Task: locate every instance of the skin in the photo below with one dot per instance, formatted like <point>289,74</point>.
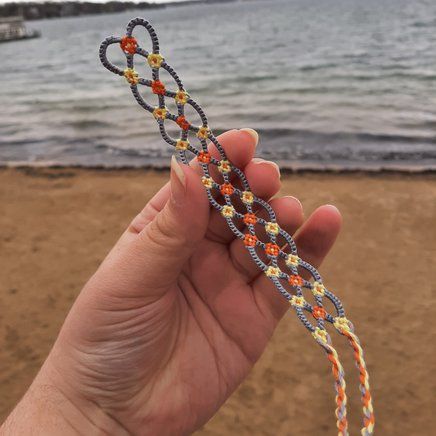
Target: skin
<point>174,318</point>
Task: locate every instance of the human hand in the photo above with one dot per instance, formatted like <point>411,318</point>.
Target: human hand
<point>174,318</point>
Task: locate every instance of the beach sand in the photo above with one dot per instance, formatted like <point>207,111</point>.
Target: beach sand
<point>58,224</point>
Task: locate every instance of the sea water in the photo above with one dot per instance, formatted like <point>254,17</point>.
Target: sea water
<point>328,84</point>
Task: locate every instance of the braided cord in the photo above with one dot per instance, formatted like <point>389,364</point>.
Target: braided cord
<point>323,339</point>
<point>231,186</point>
<point>346,329</point>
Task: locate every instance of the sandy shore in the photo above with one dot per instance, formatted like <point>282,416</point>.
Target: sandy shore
<point>57,225</point>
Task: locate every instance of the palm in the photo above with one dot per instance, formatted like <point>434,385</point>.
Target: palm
<point>199,341</point>
<point>214,332</point>
<point>153,347</point>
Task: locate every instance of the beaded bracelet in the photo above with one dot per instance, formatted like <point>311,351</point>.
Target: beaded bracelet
<point>287,279</point>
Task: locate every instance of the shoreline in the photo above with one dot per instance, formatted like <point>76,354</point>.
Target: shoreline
<point>285,170</point>
<point>36,11</point>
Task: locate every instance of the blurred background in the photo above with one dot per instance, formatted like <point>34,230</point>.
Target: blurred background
<point>343,95</point>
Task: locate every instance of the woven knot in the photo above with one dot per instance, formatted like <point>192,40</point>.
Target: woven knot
<point>321,335</point>
<point>158,87</point>
<point>224,166</point>
<point>250,218</point>
<point>227,189</point>
<point>250,240</point>
<point>203,132</point>
<point>319,312</point>
<point>342,324</point>
<point>128,44</point>
<point>272,228</point>
<point>295,280</point>
<point>272,271</point>
<point>207,182</point>
<point>247,197</point>
<point>155,60</point>
<point>204,157</point>
<point>160,113</point>
<point>292,260</point>
<point>318,289</point>
<point>297,301</point>
<point>181,97</point>
<point>228,211</point>
<point>131,76</point>
<point>272,250</point>
<point>182,144</point>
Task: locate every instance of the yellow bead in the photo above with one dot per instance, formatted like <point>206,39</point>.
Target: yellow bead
<point>224,166</point>
<point>160,113</point>
<point>155,60</point>
<point>181,97</point>
<point>318,289</point>
<point>182,144</point>
<point>321,335</point>
<point>247,197</point>
<point>272,271</point>
<point>131,76</point>
<point>228,211</point>
<point>292,260</point>
<point>297,301</point>
<point>203,132</point>
<point>272,228</point>
<point>207,182</point>
<point>342,323</point>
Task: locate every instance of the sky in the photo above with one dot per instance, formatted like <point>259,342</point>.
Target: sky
<point>97,1</point>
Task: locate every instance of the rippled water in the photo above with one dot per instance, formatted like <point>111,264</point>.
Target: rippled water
<point>343,83</point>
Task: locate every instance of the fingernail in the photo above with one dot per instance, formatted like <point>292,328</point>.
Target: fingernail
<point>252,133</point>
<point>258,160</point>
<point>299,205</point>
<point>333,207</point>
<point>294,199</point>
<point>178,181</point>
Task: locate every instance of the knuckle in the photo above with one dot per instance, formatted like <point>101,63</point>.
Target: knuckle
<point>163,232</point>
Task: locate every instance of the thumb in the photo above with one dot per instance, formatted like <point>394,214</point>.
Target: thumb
<point>168,241</point>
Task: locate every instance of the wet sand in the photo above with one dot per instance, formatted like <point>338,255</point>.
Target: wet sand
<point>57,225</point>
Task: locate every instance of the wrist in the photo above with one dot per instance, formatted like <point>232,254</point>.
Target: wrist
<point>48,409</point>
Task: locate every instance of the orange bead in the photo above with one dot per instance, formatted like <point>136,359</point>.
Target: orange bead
<point>227,189</point>
<point>128,44</point>
<point>319,312</point>
<point>204,157</point>
<point>250,240</point>
<point>182,122</point>
<point>250,218</point>
<point>272,249</point>
<point>295,280</point>
<point>158,87</point>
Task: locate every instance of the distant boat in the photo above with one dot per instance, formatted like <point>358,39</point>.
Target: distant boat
<point>13,28</point>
